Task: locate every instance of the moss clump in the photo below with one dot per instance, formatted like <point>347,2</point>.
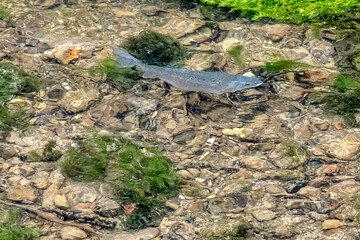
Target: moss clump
<point>346,101</point>
<point>14,82</point>
<point>214,13</point>
<point>295,153</point>
<point>4,14</point>
<point>156,49</point>
<point>236,54</point>
<point>121,78</point>
<point>48,153</point>
<point>356,62</point>
<point>343,83</point>
<point>345,104</point>
<point>295,11</point>
<point>227,229</point>
<point>139,175</point>
<point>12,229</point>
<point>285,65</point>
<point>14,117</point>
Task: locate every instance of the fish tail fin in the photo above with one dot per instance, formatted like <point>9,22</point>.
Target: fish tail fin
<point>124,59</point>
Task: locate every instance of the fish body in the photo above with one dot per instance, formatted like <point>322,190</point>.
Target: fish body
<point>188,80</point>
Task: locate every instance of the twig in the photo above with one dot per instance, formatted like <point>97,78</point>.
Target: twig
<point>49,216</point>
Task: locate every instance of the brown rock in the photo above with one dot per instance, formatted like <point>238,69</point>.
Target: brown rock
<point>61,201</point>
<point>276,32</point>
<point>47,3</point>
<point>78,100</point>
<point>331,169</point>
<point>317,76</point>
<point>41,179</point>
<point>255,162</point>
<point>49,196</point>
<point>151,10</point>
<point>331,224</point>
<point>147,233</point>
<point>322,126</point>
<point>196,207</point>
<point>72,233</point>
<point>263,215</point>
<point>122,13</point>
<point>179,26</point>
<point>344,189</point>
<point>346,148</point>
<point>20,193</point>
<point>310,192</point>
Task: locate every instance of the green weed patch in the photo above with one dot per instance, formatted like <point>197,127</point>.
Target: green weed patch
<point>285,65</point>
<point>139,175</point>
<point>12,229</point>
<point>121,78</point>
<point>295,11</point>
<point>156,49</point>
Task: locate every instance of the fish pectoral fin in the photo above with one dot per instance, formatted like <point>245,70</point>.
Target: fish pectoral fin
<point>149,75</point>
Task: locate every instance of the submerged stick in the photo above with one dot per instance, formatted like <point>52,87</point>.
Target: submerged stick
<point>49,216</point>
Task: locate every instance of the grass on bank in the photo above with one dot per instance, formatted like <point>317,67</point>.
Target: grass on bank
<point>295,11</point>
<point>12,229</point>
<point>139,175</point>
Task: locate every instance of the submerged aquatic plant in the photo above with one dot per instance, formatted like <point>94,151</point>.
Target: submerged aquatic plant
<point>236,54</point>
<point>4,13</point>
<point>139,175</point>
<point>156,49</point>
<point>12,229</point>
<point>14,82</point>
<point>346,101</point>
<point>285,65</point>
<point>343,83</point>
<point>120,78</point>
<point>295,11</point>
<point>16,117</point>
<point>48,153</point>
<point>227,229</point>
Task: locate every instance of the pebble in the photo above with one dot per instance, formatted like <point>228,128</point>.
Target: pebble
<point>331,223</point>
<point>263,215</point>
<point>72,233</point>
<point>20,193</point>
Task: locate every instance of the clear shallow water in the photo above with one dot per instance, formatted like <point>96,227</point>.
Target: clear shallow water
<point>269,155</point>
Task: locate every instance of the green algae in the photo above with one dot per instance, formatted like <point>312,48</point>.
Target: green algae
<point>48,154</point>
<point>227,229</point>
<point>139,175</point>
<point>156,49</point>
<point>285,65</point>
<point>15,117</point>
<point>295,11</point>
<point>345,104</point>
<point>120,78</point>
<point>343,83</point>
<point>11,227</point>
<point>15,82</point>
<point>4,14</point>
<point>345,101</point>
<point>356,62</point>
<point>236,54</point>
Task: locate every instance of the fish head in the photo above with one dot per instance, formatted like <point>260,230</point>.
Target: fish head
<point>243,82</point>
